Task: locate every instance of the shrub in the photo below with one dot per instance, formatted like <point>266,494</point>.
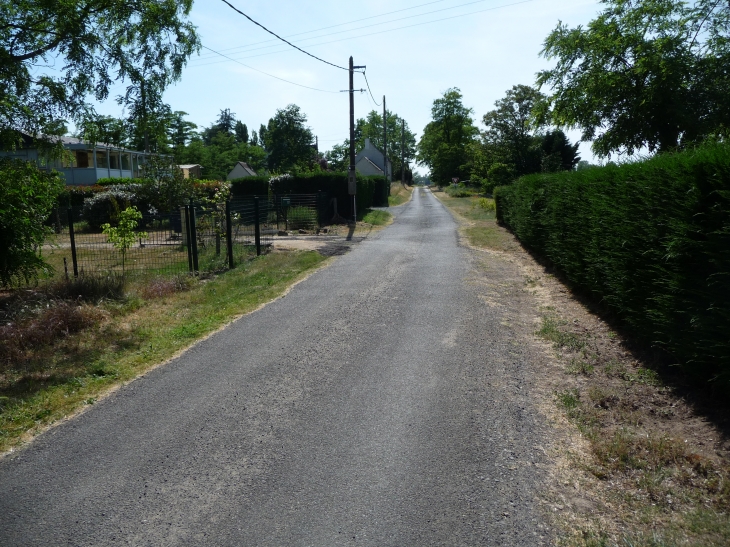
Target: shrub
<point>27,197</point>
<point>104,207</point>
<point>458,191</point>
<point>650,240</point>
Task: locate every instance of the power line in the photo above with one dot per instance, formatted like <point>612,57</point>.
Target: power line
<point>282,39</point>
<point>341,24</point>
<point>371,93</point>
<point>266,73</point>
<point>387,30</point>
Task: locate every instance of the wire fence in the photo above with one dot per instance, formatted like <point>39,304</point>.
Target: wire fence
<point>192,239</point>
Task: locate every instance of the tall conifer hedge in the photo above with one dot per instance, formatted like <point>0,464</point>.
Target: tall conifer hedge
<point>650,240</point>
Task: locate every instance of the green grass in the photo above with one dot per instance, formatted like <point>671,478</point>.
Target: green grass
<point>481,228</point>
<point>377,218</point>
<point>54,381</point>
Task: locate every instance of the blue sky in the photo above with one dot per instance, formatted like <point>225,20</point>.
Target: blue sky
<point>483,48</point>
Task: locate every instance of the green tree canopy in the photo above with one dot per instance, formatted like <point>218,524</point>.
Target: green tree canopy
<point>446,142</point>
<point>96,42</point>
<point>241,132</point>
<point>644,73</point>
<point>27,197</point>
<point>289,142</point>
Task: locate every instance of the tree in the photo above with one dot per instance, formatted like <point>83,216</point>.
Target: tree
<point>262,135</point>
<point>254,139</point>
<point>123,235</point>
<point>288,140</point>
<point>241,132</point>
<point>105,129</point>
<point>27,197</point>
<point>95,42</point>
<point>339,157</point>
<point>180,131</point>
<point>509,136</point>
<point>650,73</point>
<point>444,146</point>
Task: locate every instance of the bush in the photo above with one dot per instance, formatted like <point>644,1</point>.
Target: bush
<point>650,240</point>
<point>459,191</point>
<point>250,186</point>
<point>104,207</point>
<point>27,197</point>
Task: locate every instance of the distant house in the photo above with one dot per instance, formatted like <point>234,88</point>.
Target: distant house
<point>369,161</point>
<point>241,170</point>
<point>87,163</point>
<point>192,170</point>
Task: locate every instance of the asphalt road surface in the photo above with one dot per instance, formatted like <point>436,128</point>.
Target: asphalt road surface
<point>379,403</point>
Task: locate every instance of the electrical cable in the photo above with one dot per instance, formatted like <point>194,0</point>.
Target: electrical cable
<point>340,24</point>
<point>282,39</point>
<point>266,73</point>
<point>384,31</point>
<point>371,93</point>
<point>249,48</point>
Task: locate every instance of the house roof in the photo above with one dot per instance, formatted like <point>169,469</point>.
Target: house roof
<point>74,143</point>
<point>245,167</point>
<point>371,163</point>
<point>190,166</point>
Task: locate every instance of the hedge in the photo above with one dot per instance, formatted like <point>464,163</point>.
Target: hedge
<point>335,184</point>
<point>650,240</point>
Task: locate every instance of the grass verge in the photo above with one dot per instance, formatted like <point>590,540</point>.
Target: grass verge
<point>377,218</point>
<point>50,381</point>
<point>480,223</point>
<point>399,194</point>
<point>656,466</point>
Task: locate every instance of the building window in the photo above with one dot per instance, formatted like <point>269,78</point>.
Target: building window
<point>83,159</point>
<point>126,163</point>
<point>101,162</point>
<point>114,160</point>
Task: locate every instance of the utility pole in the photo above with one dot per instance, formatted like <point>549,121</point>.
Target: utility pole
<point>385,151</point>
<point>351,178</point>
<point>403,152</point>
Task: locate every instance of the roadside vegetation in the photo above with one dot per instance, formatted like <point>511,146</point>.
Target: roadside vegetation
<point>65,344</point>
<point>399,194</point>
<point>656,469</point>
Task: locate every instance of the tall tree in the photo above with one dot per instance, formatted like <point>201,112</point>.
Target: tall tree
<point>226,121</point>
<point>445,144</point>
<point>289,141</point>
<point>96,42</point>
<point>648,73</point>
<point>241,132</point>
<point>510,127</point>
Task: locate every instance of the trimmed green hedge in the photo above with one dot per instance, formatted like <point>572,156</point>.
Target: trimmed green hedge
<point>335,184</point>
<point>650,240</point>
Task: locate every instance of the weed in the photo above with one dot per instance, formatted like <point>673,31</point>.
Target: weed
<point>486,204</point>
<point>550,330</point>
<point>578,366</point>
<point>159,287</point>
<point>90,287</point>
<point>377,218</point>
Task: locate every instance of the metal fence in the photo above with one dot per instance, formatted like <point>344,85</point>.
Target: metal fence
<point>193,239</point>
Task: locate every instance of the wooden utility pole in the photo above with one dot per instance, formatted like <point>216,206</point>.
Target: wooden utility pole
<point>403,152</point>
<point>385,151</point>
<point>351,178</point>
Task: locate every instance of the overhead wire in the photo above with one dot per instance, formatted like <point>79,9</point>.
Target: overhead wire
<point>371,93</point>
<point>384,31</point>
<point>340,24</point>
<point>282,39</point>
<point>249,48</point>
<point>266,73</point>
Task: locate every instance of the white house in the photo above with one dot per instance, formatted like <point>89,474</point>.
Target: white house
<point>87,163</point>
<point>241,170</point>
<point>369,161</point>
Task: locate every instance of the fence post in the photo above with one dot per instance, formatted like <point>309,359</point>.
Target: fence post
<point>73,241</point>
<point>257,225</point>
<point>186,211</point>
<point>229,235</point>
<point>194,237</point>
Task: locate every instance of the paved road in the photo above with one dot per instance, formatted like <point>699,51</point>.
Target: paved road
<point>380,403</point>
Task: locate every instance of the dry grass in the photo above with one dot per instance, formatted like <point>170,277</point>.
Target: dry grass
<point>399,194</point>
<point>643,458</point>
